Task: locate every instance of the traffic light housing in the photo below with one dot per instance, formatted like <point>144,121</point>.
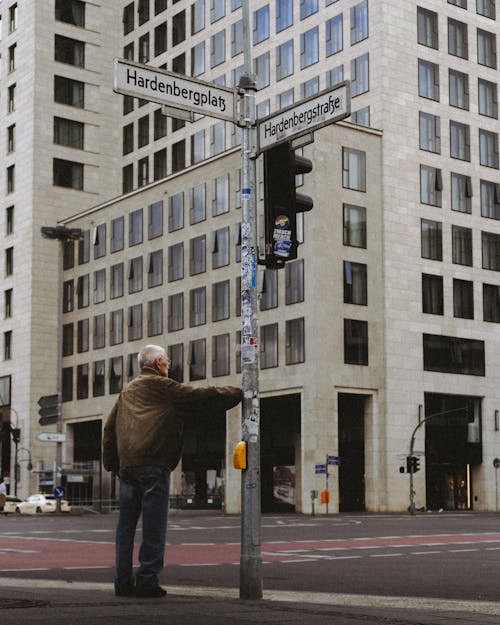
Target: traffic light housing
<point>412,464</point>
<point>16,434</point>
<point>282,203</point>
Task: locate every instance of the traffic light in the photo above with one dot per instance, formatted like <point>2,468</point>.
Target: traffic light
<point>282,203</point>
<point>16,434</point>
<point>412,464</point>
<point>49,409</point>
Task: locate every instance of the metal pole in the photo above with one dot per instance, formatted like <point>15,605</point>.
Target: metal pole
<point>496,488</point>
<point>251,557</point>
<point>58,464</point>
<point>326,483</point>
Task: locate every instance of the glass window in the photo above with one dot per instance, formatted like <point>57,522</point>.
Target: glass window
<point>488,148</point>
<point>461,245</point>
<point>284,14</point>
<point>155,317</point>
<point>284,60</point>
<point>197,255</point>
<point>197,306</point>
<point>116,281</point>
<point>144,48</point>
<point>309,48</point>
<point>261,24</point>
<point>99,286</point>
<point>294,282</point>
<point>431,239</point>
<point>155,220</point>
<point>461,193</point>
<point>430,132</point>
<point>218,48</point>
<point>69,91</point>
<point>175,312</point>
<point>486,8</point>
<point>98,388</point>
<point>309,88</point>
<point>84,248</point>
<point>197,203</point>
<point>488,98</point>
<point>9,270</point>
<point>178,156</point>
<point>262,68</point>
<point>198,59</point>
<point>490,244</point>
<point>486,48</point>
<point>161,38</point>
<point>82,289</point>
<point>135,275</point>
<point>134,322</point>
<point>431,185</point>
<point>115,374</point>
<point>427,26</point>
<point>135,227</point>
<point>220,355</point>
<point>459,3</point>
<point>457,39</point>
<point>269,346</point>
<point>294,341</point>
<point>355,342</point>
<point>176,212</point>
<point>460,141</point>
<point>67,348</point>
<point>143,131</point>
<point>237,37</point>
<point>176,262</point>
<point>132,367</point>
<point>432,294</point>
<point>459,89</point>
<point>82,336</point>
<point>334,37</point>
<point>355,283</point>
<point>155,268</point>
<point>359,22</point>
<point>490,199</point>
<point>67,174</point>
<point>217,10</point>
<point>176,356</point>
<point>354,226</point>
<point>308,7</point>
<point>143,11</point>
<point>70,51</point>
<point>198,147</point>
<point>178,28</point>
<point>269,289</point>
<point>449,354</point>
<point>463,299</point>
<point>217,138</point>
<point>99,241</point>
<point>197,16</point>
<point>334,76</point>
<point>99,338</point>
<point>67,372</point>
<point>353,169</point>
<point>220,198</point>
<point>117,234</point>
<point>491,302</point>
<point>360,82</point>
<point>220,248</point>
<point>197,360</point>
<point>428,80</point>
<point>143,171</point>
<point>220,300</point>
<point>160,125</point>
<point>116,327</point>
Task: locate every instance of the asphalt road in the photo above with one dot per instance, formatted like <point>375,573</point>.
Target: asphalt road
<point>366,562</point>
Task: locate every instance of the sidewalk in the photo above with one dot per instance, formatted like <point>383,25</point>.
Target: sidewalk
<point>54,602</point>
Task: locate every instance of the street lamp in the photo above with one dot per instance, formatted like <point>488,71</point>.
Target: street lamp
<point>60,233</point>
<point>29,466</point>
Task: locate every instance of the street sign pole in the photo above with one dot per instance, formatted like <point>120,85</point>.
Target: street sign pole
<point>251,557</point>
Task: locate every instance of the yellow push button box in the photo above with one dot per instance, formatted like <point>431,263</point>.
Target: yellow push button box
<point>240,456</point>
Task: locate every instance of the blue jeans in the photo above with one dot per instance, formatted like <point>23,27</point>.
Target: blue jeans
<point>142,490</point>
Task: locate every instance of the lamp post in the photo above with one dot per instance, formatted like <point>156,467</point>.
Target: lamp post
<point>61,234</point>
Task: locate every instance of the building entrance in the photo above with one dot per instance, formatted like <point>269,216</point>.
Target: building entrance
<point>351,427</point>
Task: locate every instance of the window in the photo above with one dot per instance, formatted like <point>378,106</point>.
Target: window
<point>155,268</point>
<point>217,138</point>
<point>355,342</point>
<point>428,80</point>
<point>176,356</point>
<point>431,239</point>
<point>463,299</point>
<point>197,306</point>
<point>160,125</point>
<point>284,60</point>
<point>197,204</point>
<point>458,89</point>
<point>430,132</point>
<point>155,317</point>
<point>116,281</point>
<point>460,141</point>
<point>359,22</point>
<point>135,227</point>
<point>67,174</point>
<point>160,6</point>
<point>309,48</point>
<point>99,241</point>
<point>491,302</point>
<point>176,262</point>
<point>294,282</point>
<point>155,220</point>
<point>217,10</point>
<point>269,346</point>
<point>11,179</point>
<point>354,227</point>
<point>490,199</point>
<point>9,270</point>
<point>134,322</point>
<point>449,354</point>
<point>432,294</point>
<point>82,288</point>
<point>355,283</point>
<point>69,51</point>
<point>220,248</point>
<point>176,212</point>
<point>67,383</point>
<point>220,355</point>
<point>68,132</point>
<point>12,57</point>
<point>128,178</point>
<point>360,75</point>
<point>11,99</point>
<point>144,48</point>
<point>115,374</point>
<point>98,379</point>
<point>307,8</point>
<point>220,301</point>
<point>431,185</point>
<point>486,48</point>
<point>220,198</point>
<point>197,360</point>
<point>99,331</point>
<point>461,241</point>
<point>128,18</point>
<point>269,289</point>
<point>161,38</point>
<point>135,275</point>
<point>457,39</point>
<point>461,193</point>
<point>71,12</point>
<point>260,24</point>
<point>67,348</point>
<point>334,38</point>
<point>116,327</point>
<point>490,244</point>
<point>459,3</point>
<point>197,255</point>
<point>427,28</point>
<point>99,286</point>
<point>178,156</point>
<point>488,98</point>
<point>262,69</point>
<point>353,169</point>
<point>82,336</point>
<point>309,88</point>
<point>218,48</point>
<point>178,28</point>
<point>143,131</point>
<point>82,381</point>
<point>198,147</point>
<point>198,59</point>
<point>488,148</point>
<point>7,310</point>
<point>12,18</point>
<point>143,171</point>
<point>9,220</point>
<point>294,341</point>
<point>197,16</point>
<point>486,8</point>
<point>284,14</point>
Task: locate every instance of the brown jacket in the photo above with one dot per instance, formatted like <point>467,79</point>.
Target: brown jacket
<point>145,426</point>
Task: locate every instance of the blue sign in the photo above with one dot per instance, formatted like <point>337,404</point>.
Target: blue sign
<point>59,492</point>
<point>335,460</point>
<point>320,468</point>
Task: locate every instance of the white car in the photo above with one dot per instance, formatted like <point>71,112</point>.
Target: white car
<point>10,504</point>
<point>41,503</point>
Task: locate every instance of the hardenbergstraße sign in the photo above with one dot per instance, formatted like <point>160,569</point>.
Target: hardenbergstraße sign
<point>175,90</point>
<point>324,108</point>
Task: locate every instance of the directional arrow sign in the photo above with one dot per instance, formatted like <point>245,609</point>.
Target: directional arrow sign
<point>174,90</point>
<point>49,409</point>
<point>52,437</point>
<point>324,108</point>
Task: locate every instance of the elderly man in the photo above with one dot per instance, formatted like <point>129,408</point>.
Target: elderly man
<point>143,442</point>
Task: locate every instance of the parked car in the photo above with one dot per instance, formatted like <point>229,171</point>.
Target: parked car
<point>41,503</point>
<point>11,503</point>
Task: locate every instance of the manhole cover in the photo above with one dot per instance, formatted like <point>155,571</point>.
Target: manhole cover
<point>15,604</point>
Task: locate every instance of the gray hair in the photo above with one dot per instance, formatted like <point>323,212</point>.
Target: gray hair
<point>149,354</point>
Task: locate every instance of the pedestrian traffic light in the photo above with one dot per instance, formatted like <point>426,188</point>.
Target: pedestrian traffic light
<point>16,434</point>
<point>412,464</point>
<point>282,203</point>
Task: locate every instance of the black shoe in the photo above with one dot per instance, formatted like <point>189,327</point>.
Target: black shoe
<point>125,591</point>
<point>150,591</point>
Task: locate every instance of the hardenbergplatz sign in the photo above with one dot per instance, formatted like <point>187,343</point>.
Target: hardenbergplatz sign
<point>175,90</point>
<point>308,115</point>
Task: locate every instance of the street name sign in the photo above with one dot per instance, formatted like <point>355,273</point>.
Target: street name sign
<point>52,437</point>
<point>319,468</point>
<point>173,90</point>
<point>326,107</point>
<point>334,460</point>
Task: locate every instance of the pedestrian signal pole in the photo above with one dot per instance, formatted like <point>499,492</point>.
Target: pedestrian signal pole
<point>251,557</point>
